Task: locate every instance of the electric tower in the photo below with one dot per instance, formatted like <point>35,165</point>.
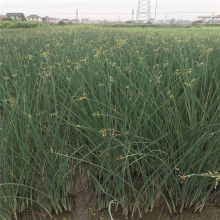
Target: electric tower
<point>77,16</point>
<point>143,11</point>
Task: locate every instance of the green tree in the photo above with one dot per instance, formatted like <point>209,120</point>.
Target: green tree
<point>61,23</point>
<point>7,19</point>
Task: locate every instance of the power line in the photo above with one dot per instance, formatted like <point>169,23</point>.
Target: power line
<point>126,13</point>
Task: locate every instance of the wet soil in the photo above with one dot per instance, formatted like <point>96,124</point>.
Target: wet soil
<point>84,198</point>
<point>210,212</point>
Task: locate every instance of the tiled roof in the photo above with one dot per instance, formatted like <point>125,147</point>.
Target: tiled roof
<point>14,14</point>
<point>33,16</point>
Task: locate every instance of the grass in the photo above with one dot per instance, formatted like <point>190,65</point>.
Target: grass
<point>138,110</point>
<point>23,24</point>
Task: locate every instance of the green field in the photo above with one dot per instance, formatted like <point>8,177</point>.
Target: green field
<point>136,109</point>
<point>23,24</point>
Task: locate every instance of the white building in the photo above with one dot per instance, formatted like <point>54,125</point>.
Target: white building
<point>34,18</point>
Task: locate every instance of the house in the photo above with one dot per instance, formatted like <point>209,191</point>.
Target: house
<point>183,22</point>
<point>216,19</point>
<point>46,19</point>
<point>213,19</point>
<point>55,20</point>
<point>66,20</point>
<point>2,17</point>
<point>34,18</point>
<point>16,16</point>
<point>75,21</point>
<point>85,21</point>
<point>97,22</point>
<point>50,20</point>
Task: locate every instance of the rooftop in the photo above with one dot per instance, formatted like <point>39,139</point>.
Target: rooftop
<point>14,14</point>
<point>33,16</point>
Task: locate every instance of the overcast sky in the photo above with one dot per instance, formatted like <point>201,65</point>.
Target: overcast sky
<point>61,8</point>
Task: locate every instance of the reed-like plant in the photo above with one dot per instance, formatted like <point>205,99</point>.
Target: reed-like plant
<point>138,110</point>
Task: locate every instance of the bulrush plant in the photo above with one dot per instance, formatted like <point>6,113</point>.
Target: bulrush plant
<point>138,111</point>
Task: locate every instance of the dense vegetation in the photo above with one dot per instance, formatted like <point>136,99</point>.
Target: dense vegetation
<point>9,24</point>
<point>137,110</point>
<point>23,24</point>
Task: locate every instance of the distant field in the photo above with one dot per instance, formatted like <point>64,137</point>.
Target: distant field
<point>136,108</point>
<point>27,24</point>
<point>23,24</point>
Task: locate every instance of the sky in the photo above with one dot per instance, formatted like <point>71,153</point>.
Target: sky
<point>179,9</point>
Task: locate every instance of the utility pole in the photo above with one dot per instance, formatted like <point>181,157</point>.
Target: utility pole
<point>132,17</point>
<point>77,16</point>
<point>155,17</point>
